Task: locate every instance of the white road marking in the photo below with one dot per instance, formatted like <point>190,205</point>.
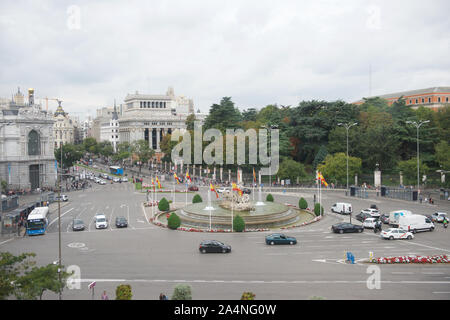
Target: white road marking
<point>6,241</point>
<point>61,217</point>
<point>143,209</point>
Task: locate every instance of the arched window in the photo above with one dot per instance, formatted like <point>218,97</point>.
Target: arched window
<point>34,143</point>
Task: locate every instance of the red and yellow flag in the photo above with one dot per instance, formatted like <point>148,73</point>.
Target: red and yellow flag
<point>213,189</point>
<point>159,184</point>
<point>254,175</point>
<point>176,177</point>
<point>188,176</point>
<point>322,179</point>
<point>236,188</point>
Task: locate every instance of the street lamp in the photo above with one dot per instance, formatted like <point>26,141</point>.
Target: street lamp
<point>268,127</point>
<point>418,125</point>
<point>347,126</point>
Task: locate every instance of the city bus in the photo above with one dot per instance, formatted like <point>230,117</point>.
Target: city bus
<point>116,170</point>
<point>37,221</point>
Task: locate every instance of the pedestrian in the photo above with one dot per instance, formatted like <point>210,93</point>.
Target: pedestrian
<point>161,296</point>
<point>420,198</point>
<point>19,224</point>
<point>104,296</point>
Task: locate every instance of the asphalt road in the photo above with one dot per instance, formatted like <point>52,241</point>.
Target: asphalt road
<point>154,260</point>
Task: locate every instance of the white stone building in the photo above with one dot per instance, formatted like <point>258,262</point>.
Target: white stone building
<point>27,158</point>
<point>109,128</point>
<point>63,129</point>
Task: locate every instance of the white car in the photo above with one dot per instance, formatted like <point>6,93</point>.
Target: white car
<point>369,223</point>
<point>124,179</point>
<point>116,179</point>
<point>396,233</point>
<point>374,213</point>
<point>102,182</point>
<point>223,190</point>
<point>101,222</point>
<point>439,216</point>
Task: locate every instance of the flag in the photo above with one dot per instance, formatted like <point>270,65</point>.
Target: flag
<point>188,177</point>
<point>159,184</point>
<point>321,179</point>
<point>176,177</point>
<point>236,188</point>
<point>254,175</point>
<point>213,189</point>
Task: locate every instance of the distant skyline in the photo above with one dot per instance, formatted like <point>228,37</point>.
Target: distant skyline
<point>88,53</point>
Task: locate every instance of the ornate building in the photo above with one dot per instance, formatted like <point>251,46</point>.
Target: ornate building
<point>63,129</point>
<point>109,129</point>
<point>27,158</point>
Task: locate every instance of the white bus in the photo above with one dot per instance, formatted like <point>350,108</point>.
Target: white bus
<point>37,221</point>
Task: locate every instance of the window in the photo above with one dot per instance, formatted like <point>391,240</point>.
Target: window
<point>446,99</point>
<point>417,101</point>
<point>34,143</point>
<point>439,99</point>
<point>429,100</point>
<point>423,100</point>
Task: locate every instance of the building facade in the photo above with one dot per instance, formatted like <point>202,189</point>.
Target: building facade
<point>109,128</point>
<point>433,98</point>
<point>151,117</point>
<point>63,129</point>
<point>27,158</point>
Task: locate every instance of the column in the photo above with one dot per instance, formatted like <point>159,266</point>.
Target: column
<point>200,171</point>
<point>214,174</point>
<point>221,174</point>
<point>158,137</point>
<point>229,175</point>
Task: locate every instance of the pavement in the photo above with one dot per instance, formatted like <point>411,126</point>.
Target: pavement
<point>153,260</point>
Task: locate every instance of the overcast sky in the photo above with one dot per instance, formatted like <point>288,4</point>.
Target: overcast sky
<point>88,53</point>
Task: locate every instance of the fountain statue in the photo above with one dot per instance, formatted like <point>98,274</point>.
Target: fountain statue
<point>236,202</point>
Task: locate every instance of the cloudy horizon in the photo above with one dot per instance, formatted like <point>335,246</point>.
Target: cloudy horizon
<point>89,53</point>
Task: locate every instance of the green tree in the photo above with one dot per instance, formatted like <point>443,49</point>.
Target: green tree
<point>90,145</point>
<point>302,204</point>
<point>123,292</point>
<point>174,221</point>
<point>190,120</point>
<point>182,292</point>
<point>318,209</point>
<point>335,167</point>
<point>238,224</point>
<point>35,282</point>
<point>409,170</point>
<point>320,156</point>
<point>223,116</point>
<point>443,155</point>
<point>11,269</point>
<point>197,199</point>
<point>163,205</point>
<point>143,152</point>
<point>269,198</point>
<point>4,186</point>
<point>291,169</point>
<point>248,296</point>
<point>70,155</point>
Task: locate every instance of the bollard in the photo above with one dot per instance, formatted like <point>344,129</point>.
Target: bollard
<point>370,256</point>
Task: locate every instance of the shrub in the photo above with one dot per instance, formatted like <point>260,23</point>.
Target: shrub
<point>238,224</point>
<point>248,296</point>
<point>197,199</point>
<point>123,292</point>
<point>302,204</point>
<point>269,198</point>
<point>317,209</point>
<point>174,221</point>
<point>163,205</point>
<point>182,292</point>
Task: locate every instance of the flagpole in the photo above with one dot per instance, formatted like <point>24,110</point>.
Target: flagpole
<point>232,210</point>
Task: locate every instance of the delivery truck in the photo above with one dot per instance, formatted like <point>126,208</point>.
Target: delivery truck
<point>394,216</point>
<point>415,223</point>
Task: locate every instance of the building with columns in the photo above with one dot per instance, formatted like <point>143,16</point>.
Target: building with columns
<point>27,158</point>
<point>150,117</point>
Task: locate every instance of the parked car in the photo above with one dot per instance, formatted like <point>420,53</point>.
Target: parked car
<point>279,238</point>
<point>100,222</point>
<point>78,225</point>
<point>222,190</point>
<point>212,246</point>
<point>345,227</point>
<point>62,198</point>
<point>342,208</point>
<point>246,190</point>
<point>124,179</point>
<point>363,216</point>
<point>102,182</point>
<point>193,188</point>
<point>384,218</point>
<point>395,233</point>
<point>373,206</point>
<point>369,223</point>
<point>439,216</point>
<point>374,213</point>
<point>121,222</point>
<point>115,179</point>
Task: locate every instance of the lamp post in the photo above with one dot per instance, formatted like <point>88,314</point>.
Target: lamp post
<point>268,127</point>
<point>347,126</point>
<point>418,125</point>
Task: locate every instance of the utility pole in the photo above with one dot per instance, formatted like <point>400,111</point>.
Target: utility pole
<point>347,126</point>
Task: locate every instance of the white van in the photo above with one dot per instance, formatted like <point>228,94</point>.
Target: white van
<point>100,221</point>
<point>342,208</point>
<point>416,222</point>
<point>394,216</point>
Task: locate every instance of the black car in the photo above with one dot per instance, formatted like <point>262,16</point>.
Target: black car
<point>78,225</point>
<point>384,218</point>
<point>246,190</point>
<point>374,206</point>
<point>345,227</point>
<point>121,222</point>
<point>362,216</point>
<point>214,246</point>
